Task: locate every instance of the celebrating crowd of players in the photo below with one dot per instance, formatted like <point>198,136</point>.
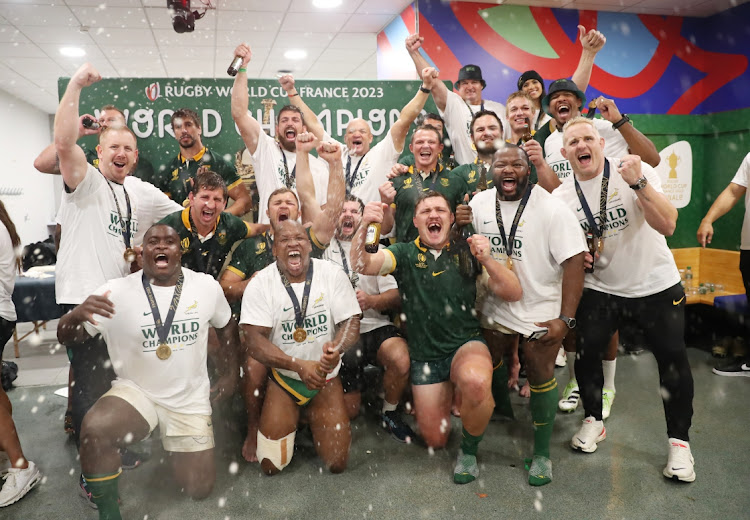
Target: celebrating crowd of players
<point>550,227</point>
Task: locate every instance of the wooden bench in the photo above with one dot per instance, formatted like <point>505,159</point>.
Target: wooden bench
<point>716,266</point>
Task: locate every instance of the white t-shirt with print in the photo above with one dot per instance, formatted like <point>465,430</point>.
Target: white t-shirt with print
<point>547,235</point>
<point>614,146</point>
<point>179,383</point>
<point>8,272</point>
<point>373,167</point>
<point>91,244</point>
<point>332,300</point>
<point>270,173</point>
<point>457,116</point>
<point>371,318</point>
<point>636,260</point>
<point>742,178</point>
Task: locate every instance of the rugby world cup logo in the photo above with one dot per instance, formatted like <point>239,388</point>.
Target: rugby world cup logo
<point>153,91</point>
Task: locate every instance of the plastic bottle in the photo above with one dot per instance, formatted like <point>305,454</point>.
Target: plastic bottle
<point>689,280</point>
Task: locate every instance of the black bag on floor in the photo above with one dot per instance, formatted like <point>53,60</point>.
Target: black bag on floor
<point>9,374</point>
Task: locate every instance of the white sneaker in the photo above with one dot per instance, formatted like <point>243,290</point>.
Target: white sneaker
<point>591,432</point>
<point>5,464</point>
<point>608,397</point>
<point>18,482</point>
<point>561,360</point>
<point>570,397</point>
<point>680,462</point>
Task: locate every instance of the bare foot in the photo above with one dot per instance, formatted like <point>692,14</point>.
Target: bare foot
<point>525,390</point>
<point>250,447</point>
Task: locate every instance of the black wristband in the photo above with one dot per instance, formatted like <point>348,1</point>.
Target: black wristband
<point>424,89</point>
<point>625,119</point>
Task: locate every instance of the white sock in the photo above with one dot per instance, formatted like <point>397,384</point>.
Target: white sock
<point>571,356</point>
<point>388,407</point>
<point>608,367</point>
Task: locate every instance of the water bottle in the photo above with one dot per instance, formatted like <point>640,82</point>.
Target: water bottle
<point>688,280</point>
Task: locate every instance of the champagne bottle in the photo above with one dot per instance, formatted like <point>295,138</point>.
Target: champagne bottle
<point>234,67</point>
<point>591,242</point>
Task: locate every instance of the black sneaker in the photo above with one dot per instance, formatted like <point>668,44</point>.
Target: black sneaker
<point>398,429</point>
<point>736,367</point>
<point>129,459</point>
<point>85,493</point>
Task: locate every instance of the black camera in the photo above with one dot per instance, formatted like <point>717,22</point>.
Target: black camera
<point>183,19</point>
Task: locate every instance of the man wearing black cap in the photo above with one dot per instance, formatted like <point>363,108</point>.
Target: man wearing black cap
<point>564,102</point>
<point>457,109</point>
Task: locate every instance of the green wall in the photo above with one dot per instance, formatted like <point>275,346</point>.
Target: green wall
<point>719,142</point>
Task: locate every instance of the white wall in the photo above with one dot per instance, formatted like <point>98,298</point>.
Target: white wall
<point>24,132</point>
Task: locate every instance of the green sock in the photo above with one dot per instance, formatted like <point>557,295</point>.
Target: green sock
<point>104,494</point>
<point>543,405</point>
<point>500,390</point>
<point>470,443</point>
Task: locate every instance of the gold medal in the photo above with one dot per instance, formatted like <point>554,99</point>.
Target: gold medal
<point>510,263</point>
<point>163,351</point>
<point>600,245</point>
<point>299,335</point>
<point>129,255</point>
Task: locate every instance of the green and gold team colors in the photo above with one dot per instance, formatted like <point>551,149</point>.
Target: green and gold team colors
<point>437,299</point>
<point>408,188</point>
<point>176,180</point>
<point>207,256</point>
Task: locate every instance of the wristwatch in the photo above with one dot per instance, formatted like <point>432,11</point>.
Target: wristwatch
<point>639,184</point>
<point>570,322</point>
<point>424,89</point>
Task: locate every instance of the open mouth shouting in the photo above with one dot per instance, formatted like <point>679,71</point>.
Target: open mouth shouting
<point>294,260</point>
<point>584,159</point>
<point>434,230</point>
<point>161,260</point>
<point>347,227</point>
<point>290,134</point>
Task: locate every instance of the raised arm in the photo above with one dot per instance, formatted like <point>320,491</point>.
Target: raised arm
<point>412,109</point>
<point>248,126</point>
<point>362,261</point>
<point>72,160</point>
<point>324,224</point>
<point>439,90</point>
<point>723,203</point>
<point>659,212</point>
<point>242,202</point>
<point>70,330</point>
<point>546,177</point>
<point>592,42</point>
<point>46,162</point>
<point>311,120</point>
<point>638,144</point>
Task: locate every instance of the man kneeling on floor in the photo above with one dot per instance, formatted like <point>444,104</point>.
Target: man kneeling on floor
<point>161,368</point>
<point>299,316</point>
<point>438,290</point>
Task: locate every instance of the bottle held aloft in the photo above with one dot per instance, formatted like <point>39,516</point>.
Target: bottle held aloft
<point>234,67</point>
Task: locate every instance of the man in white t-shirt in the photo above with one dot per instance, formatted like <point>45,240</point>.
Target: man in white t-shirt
<point>155,323</point>
<point>635,280</point>
<point>380,342</point>
<point>366,167</point>
<point>457,109</point>
<point>546,248</point>
<point>275,159</point>
<point>299,315</point>
<point>105,213</point>
<point>724,202</point>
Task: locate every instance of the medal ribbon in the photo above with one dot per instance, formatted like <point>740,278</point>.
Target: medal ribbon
<point>417,178</point>
<point>124,224</point>
<point>481,107</point>
<point>598,231</point>
<point>162,330</point>
<point>299,311</point>
<point>483,170</point>
<point>354,277</point>
<point>350,179</point>
<point>288,179</point>
<point>202,266</point>
<point>508,241</point>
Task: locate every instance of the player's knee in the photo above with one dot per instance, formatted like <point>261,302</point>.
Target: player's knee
<point>275,454</point>
<point>475,385</point>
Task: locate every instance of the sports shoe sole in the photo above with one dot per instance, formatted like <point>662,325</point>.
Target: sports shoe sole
<point>569,405</point>
<point>744,373</point>
<point>676,478</point>
<point>592,448</point>
<point>29,485</point>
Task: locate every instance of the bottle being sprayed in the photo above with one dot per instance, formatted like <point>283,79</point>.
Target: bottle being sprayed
<point>234,67</point>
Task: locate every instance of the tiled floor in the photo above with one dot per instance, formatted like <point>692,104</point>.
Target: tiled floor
<point>43,360</point>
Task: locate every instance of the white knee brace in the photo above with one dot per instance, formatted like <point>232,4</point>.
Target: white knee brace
<point>278,452</point>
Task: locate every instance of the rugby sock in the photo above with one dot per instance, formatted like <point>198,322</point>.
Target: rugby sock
<point>543,404</point>
<point>608,367</point>
<point>571,356</point>
<point>104,494</point>
<point>466,469</point>
<point>500,391</point>
<point>388,407</point>
<point>470,443</point>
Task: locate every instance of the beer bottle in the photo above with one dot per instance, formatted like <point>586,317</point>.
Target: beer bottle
<point>591,242</point>
<point>372,239</point>
<point>526,136</point>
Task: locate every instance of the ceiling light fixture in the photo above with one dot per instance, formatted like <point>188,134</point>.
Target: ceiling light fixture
<point>72,52</point>
<point>295,54</point>
<point>326,4</point>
